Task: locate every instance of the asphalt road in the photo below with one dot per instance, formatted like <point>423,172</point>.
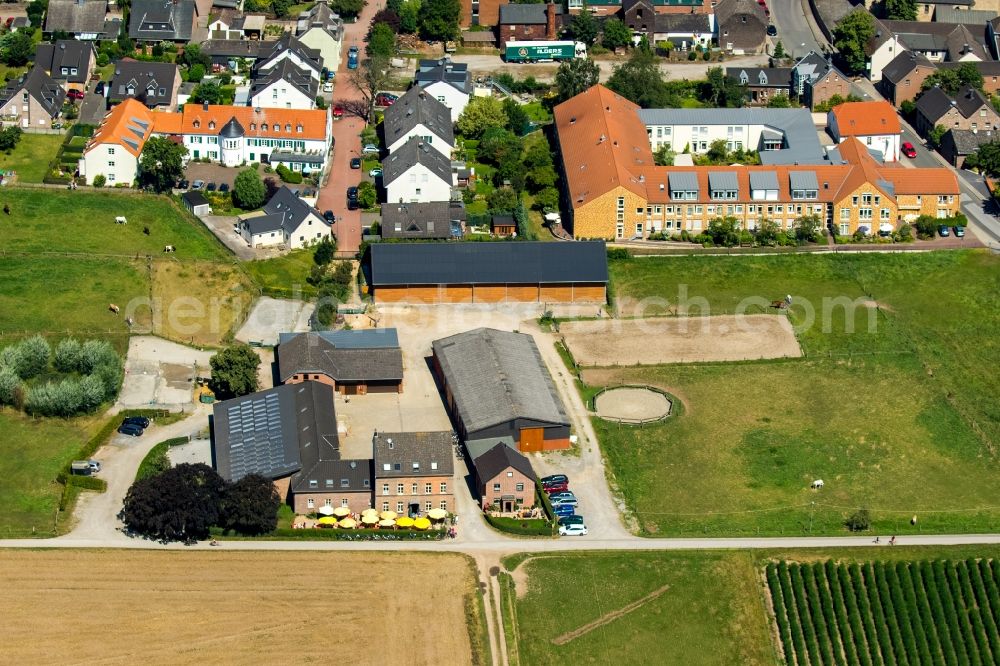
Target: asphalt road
<point>793,28</point>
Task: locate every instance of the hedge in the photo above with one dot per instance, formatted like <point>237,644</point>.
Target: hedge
<point>150,465</point>
<point>522,526</point>
<point>342,534</point>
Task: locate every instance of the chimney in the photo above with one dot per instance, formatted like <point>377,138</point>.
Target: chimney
<point>204,106</point>
<point>550,21</point>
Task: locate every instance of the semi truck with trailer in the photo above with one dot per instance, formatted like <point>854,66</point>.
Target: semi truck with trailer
<point>541,51</point>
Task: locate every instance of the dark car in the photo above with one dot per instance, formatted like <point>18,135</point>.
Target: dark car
<point>224,188</point>
<point>908,149</point>
<point>140,421</point>
<point>772,31</point>
<point>352,198</point>
<point>563,510</point>
<point>355,162</point>
<point>944,231</point>
<point>99,88</point>
<point>183,184</point>
<point>571,520</point>
<point>329,216</point>
<point>130,430</point>
<point>555,478</point>
<point>211,187</point>
<point>959,232</point>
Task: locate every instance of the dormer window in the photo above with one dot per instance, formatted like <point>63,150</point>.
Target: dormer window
<point>288,127</point>
<point>196,124</point>
<point>211,124</point>
<point>130,90</point>
<point>253,127</point>
<point>263,127</point>
<point>298,128</point>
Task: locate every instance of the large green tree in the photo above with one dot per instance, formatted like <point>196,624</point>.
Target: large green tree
<point>640,80</point>
<point>615,34</point>
<point>901,10</point>
<point>986,159</point>
<point>381,41</point>
<point>16,48</point>
<point>161,163</point>
<point>851,36</point>
<point>953,81</point>
<point>584,28</point>
<point>250,506</point>
<point>439,19</point>
<point>182,502</point>
<point>481,114</point>
<point>234,371</point>
<point>720,90</point>
<point>369,78</point>
<point>518,121</point>
<point>210,92</point>
<point>248,190</point>
<point>575,76</point>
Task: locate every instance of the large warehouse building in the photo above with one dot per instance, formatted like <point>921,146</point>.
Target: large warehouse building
<point>508,272</point>
<point>496,385</point>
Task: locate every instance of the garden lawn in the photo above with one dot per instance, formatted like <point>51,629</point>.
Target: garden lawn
<point>32,451</point>
<point>710,613</point>
<point>31,158</point>
<point>284,276</point>
<point>911,430</point>
<point>55,220</point>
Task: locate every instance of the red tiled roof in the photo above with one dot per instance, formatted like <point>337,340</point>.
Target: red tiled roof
<point>866,119</point>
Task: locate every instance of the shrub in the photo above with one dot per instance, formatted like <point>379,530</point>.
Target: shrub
<point>35,354</point>
<point>100,180</point>
<point>859,521</point>
<point>692,55</point>
<point>288,175</point>
<point>10,384</point>
<point>67,356</point>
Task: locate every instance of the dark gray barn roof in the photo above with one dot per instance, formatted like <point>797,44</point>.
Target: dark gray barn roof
<point>311,352</point>
<point>497,377</point>
<point>193,199</point>
<point>486,263</point>
<point>265,432</point>
<point>413,454</point>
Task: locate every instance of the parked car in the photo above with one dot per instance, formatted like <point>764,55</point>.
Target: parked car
<point>197,185</point>
<point>183,184</point>
<point>338,111</point>
<point>575,519</point>
<point>95,466</point>
<point>563,510</point>
<point>130,430</point>
<point>385,99</point>
<point>224,188</point>
<point>959,232</point>
<point>908,149</point>
<point>376,172</point>
<point>943,231</point>
<point>576,529</point>
<point>99,88</point>
<point>140,421</point>
<point>556,488</point>
<point>329,216</point>
<point>328,87</point>
<point>352,198</point>
<point>352,58</point>
<point>555,478</point>
<point>355,162</point>
<point>563,498</point>
<point>74,94</point>
<point>772,31</point>
<point>211,186</point>
<point>370,149</point>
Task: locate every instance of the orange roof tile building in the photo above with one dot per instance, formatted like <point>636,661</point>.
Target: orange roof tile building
<point>612,188</point>
<point>113,152</point>
<point>875,124</point>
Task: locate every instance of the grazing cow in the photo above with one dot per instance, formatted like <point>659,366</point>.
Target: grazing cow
<point>120,220</point>
<point>817,484</point>
<point>6,209</point>
<point>169,248</point>
<point>114,308</point>
<point>129,322</point>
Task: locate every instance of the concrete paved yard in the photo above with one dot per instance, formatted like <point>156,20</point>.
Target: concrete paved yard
<point>195,451</point>
<point>160,374</point>
<point>271,316</point>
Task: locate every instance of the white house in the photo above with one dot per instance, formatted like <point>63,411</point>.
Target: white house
<point>285,220</point>
<point>939,42</point>
<point>418,114</point>
<point>449,83</point>
<point>874,124</point>
<point>322,29</point>
<point>114,149</point>
<point>416,173</point>
<point>284,86</point>
<point>235,135</point>
<point>292,49</point>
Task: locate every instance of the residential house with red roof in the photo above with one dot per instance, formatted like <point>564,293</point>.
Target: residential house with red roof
<point>113,151</point>
<point>874,124</point>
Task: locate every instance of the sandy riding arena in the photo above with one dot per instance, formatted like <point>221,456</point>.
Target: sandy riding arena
<point>679,339</point>
<point>632,404</point>
<point>217,607</point>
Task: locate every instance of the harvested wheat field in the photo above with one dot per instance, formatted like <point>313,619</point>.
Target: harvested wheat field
<point>200,303</point>
<point>155,607</point>
<point>658,340</point>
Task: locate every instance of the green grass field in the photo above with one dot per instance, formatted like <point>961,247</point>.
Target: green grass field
<point>895,419</point>
<point>30,159</point>
<point>33,451</point>
<point>712,609</point>
<point>63,221</point>
<point>281,276</point>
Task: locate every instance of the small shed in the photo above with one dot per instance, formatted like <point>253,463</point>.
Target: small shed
<point>197,203</point>
<point>503,225</point>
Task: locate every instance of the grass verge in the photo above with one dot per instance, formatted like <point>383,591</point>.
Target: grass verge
<point>31,158</point>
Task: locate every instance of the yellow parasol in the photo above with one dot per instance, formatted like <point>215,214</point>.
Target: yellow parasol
<point>437,514</point>
<point>405,521</point>
<point>327,520</point>
<point>369,519</point>
<point>342,512</point>
<point>387,515</point>
<point>348,523</point>
<point>386,522</point>
<point>421,523</point>
<point>369,511</point>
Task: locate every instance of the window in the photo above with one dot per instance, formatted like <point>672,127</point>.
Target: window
<point>416,466</point>
<point>845,213</point>
<point>845,229</point>
<point>434,465</point>
<point>854,201</point>
<point>942,199</point>
<point>328,502</point>
<point>399,507</point>
<point>804,194</point>
<point>413,488</point>
<point>519,487</point>
<point>111,151</point>
<point>866,199</point>
<point>510,474</point>
<point>343,502</point>
<point>724,194</point>
<point>310,503</point>
<point>344,483</point>
<point>385,506</point>
<point>111,177</point>
<point>496,487</point>
<point>399,489</point>
<point>313,483</point>
<point>428,505</point>
<point>111,164</point>
<point>444,487</point>
<point>864,213</point>
<point>444,503</point>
